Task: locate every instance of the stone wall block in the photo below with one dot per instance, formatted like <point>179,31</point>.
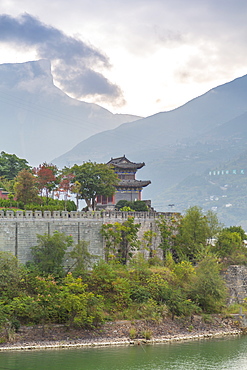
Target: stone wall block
<point>10,214</point>
<point>19,214</point>
<point>38,214</point>
<point>56,214</point>
<point>47,214</point>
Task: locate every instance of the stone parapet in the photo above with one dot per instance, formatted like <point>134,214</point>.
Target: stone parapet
<point>96,215</point>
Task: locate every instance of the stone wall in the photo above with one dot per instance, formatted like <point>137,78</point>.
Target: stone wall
<point>18,231</point>
<point>236,280</point>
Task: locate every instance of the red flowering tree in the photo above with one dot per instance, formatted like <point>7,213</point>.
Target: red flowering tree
<point>65,186</point>
<point>47,178</point>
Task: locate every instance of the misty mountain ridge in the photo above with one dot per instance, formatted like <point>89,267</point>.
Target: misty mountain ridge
<point>39,121</point>
<point>181,126</point>
<point>179,147</point>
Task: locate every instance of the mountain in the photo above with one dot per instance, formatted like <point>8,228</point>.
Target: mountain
<point>177,127</point>
<point>38,120</point>
<point>179,147</point>
<point>222,189</point>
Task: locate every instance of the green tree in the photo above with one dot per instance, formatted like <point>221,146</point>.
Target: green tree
<point>81,258</point>
<point>11,165</point>
<point>94,179</point>
<point>7,185</point>
<point>25,187</point>
<point>121,203</point>
<point>121,240</point>
<point>214,225</point>
<point>194,232</point>
<point>230,247</point>
<point>167,231</point>
<point>237,229</point>
<point>208,289</point>
<point>10,276</point>
<point>148,242</point>
<point>48,254</point>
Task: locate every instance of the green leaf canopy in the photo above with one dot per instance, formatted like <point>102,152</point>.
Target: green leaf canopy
<point>94,179</point>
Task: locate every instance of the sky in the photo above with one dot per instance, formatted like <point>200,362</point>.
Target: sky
<point>129,56</point>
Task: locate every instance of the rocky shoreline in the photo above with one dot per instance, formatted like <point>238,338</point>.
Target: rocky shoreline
<point>122,333</point>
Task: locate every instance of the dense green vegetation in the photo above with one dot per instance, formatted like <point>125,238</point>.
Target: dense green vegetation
<point>107,292</point>
<point>65,284</point>
<point>11,165</point>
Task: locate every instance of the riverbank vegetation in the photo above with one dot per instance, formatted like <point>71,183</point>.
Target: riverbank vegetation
<point>65,284</point>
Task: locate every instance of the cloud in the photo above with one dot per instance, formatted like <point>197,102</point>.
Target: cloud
<point>76,65</point>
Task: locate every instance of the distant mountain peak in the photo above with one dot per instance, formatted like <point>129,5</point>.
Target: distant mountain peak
<point>19,75</point>
<point>42,116</point>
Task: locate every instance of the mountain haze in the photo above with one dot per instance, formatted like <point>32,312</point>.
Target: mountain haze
<point>179,147</point>
<point>168,129</point>
<point>38,120</point>
<point>195,154</point>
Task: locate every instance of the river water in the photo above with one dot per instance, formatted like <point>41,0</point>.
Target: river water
<point>228,353</point>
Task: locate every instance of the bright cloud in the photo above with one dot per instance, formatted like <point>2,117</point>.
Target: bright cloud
<point>152,54</point>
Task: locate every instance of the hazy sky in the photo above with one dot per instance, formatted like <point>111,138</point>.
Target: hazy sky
<point>129,56</point>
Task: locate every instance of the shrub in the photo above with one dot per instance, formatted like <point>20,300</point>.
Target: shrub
<point>147,334</point>
<point>133,333</point>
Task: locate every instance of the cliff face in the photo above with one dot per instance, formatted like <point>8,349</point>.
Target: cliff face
<point>38,120</point>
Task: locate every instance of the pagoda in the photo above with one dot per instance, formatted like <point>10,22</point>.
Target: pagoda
<point>128,187</point>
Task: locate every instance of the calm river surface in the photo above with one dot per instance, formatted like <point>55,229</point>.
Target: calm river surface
<point>229,354</point>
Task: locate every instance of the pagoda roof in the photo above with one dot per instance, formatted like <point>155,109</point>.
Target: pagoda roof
<point>133,183</point>
<point>123,162</point>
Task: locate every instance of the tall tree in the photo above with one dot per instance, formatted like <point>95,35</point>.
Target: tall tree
<point>65,185</point>
<point>167,230</point>
<point>10,165</point>
<point>237,229</point>
<point>194,232</point>
<point>208,289</point>
<point>94,179</point>
<point>121,240</point>
<point>48,254</point>
<point>46,178</point>
<point>25,187</point>
<point>230,246</point>
<point>10,275</point>
<point>81,258</point>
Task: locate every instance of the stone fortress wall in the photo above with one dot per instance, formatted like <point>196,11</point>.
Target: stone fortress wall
<point>18,233</point>
<point>18,230</point>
